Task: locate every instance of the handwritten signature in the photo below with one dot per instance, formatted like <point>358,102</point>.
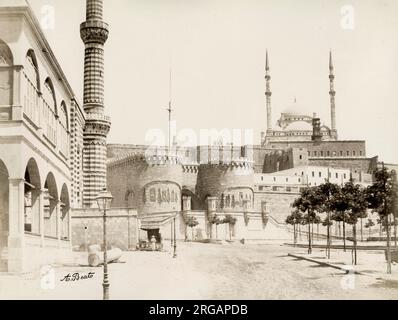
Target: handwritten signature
<point>77,277</point>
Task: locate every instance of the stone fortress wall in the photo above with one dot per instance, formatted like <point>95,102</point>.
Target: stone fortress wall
<point>147,184</point>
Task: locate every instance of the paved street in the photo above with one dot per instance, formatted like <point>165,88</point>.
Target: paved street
<point>207,271</point>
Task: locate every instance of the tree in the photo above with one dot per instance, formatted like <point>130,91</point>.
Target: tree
<point>326,192</point>
<point>328,222</point>
<point>191,222</point>
<point>231,221</point>
<point>382,198</point>
<point>361,217</point>
<point>339,204</point>
<point>317,220</point>
<point>369,225</point>
<point>307,203</point>
<point>357,204</point>
<point>294,219</point>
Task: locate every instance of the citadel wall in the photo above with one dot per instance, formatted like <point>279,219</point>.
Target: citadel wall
<point>147,184</point>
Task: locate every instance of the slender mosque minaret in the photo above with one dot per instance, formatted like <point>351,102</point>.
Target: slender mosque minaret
<point>268,93</point>
<point>332,94</point>
<point>94,33</point>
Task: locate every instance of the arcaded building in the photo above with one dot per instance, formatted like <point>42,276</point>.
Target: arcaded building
<point>41,125</point>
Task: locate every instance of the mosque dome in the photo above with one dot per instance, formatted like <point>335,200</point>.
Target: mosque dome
<point>299,126</point>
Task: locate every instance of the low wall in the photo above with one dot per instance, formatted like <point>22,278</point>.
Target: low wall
<point>87,228</point>
<point>252,229</point>
<point>123,228</point>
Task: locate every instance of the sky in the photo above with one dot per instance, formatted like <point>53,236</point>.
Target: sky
<point>216,50</point>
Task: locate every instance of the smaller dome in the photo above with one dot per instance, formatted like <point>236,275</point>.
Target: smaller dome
<point>325,128</point>
<point>299,126</point>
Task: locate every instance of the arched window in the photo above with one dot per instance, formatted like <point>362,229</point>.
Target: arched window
<point>6,58</point>
<point>63,116</point>
<point>32,69</point>
<point>32,87</point>
<point>64,129</point>
<point>50,113</point>
<point>49,95</point>
<point>6,76</point>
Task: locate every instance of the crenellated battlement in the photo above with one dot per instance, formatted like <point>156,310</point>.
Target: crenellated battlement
<point>190,168</point>
<point>232,164</point>
<point>159,160</point>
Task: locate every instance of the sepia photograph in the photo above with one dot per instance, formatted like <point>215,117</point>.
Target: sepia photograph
<point>198,150</point>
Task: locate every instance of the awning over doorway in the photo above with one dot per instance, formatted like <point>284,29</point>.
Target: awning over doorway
<point>155,221</point>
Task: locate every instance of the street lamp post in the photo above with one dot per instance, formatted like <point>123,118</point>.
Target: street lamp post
<point>104,200</point>
<point>175,242</point>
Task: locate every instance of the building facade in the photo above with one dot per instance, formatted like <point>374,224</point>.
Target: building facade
<point>41,124</point>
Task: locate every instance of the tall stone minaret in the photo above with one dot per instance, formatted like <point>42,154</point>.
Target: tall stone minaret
<point>94,33</point>
<point>332,94</point>
<point>268,94</point>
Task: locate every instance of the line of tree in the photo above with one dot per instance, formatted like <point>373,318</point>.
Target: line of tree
<point>348,205</point>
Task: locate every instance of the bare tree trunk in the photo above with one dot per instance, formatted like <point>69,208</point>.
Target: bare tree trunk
<point>339,229</point>
<point>328,242</point>
<point>354,231</point>
<point>192,234</point>
<point>395,232</point>
<point>299,230</point>
<point>312,231</point>
<point>317,232</point>
<point>294,234</point>
<point>361,230</point>
<point>309,239</point>
<point>388,246</point>
<point>345,249</point>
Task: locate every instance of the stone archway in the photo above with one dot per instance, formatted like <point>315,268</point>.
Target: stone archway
<point>50,206</point>
<point>4,214</point>
<point>65,213</point>
<point>32,192</point>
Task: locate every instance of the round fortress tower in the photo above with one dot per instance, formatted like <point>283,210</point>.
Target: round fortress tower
<point>148,184</point>
<point>232,182</point>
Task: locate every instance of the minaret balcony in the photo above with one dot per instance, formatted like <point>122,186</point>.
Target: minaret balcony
<point>96,31</point>
<point>97,117</point>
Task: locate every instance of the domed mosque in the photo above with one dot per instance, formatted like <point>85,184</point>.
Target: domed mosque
<point>294,125</point>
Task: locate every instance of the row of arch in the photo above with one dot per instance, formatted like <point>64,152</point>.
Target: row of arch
<point>53,200</point>
<point>48,91</point>
<point>44,204</point>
